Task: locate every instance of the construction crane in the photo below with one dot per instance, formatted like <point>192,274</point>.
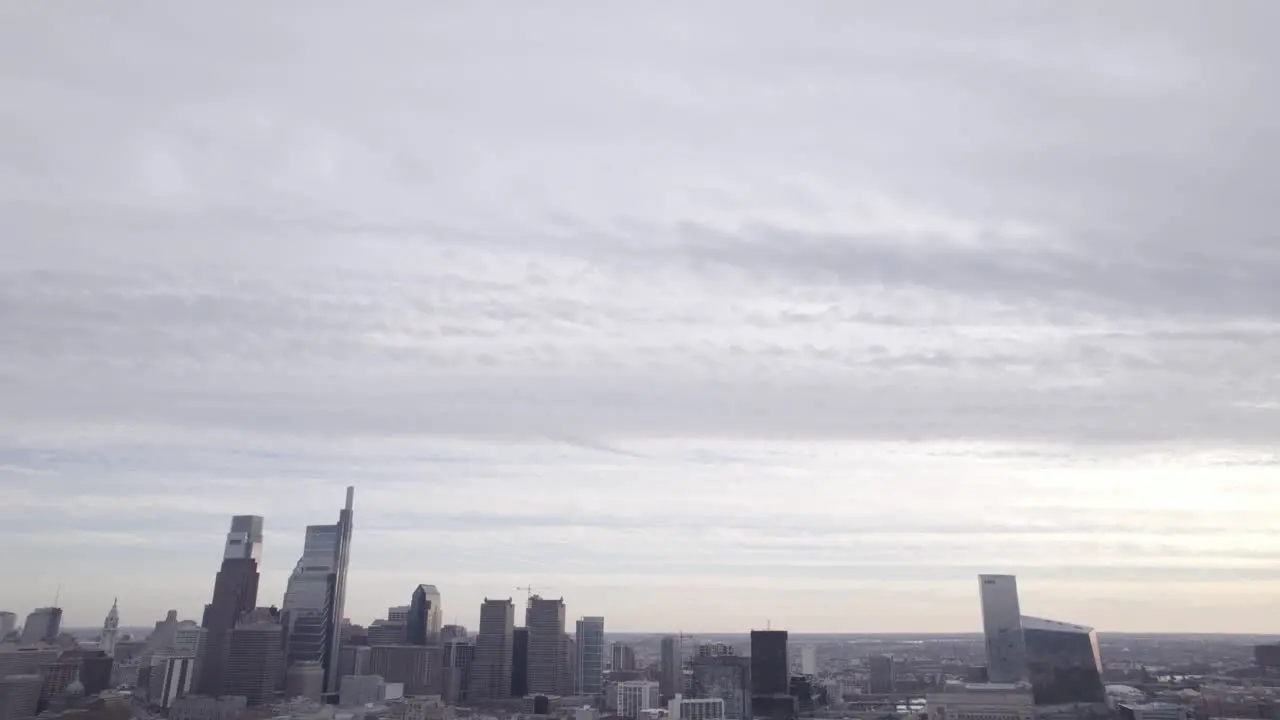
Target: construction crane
<point>528,589</point>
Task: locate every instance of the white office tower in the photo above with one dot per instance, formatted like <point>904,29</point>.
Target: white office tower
<point>632,697</point>
<point>683,708</point>
<point>1002,629</point>
<point>809,660</point>
<point>110,630</point>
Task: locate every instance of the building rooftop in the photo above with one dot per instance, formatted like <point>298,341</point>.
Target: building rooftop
<point>1035,623</point>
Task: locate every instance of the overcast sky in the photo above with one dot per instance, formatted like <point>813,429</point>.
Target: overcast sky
<point>701,315</point>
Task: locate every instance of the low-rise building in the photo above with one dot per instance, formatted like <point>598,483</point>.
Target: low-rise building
<point>982,701</point>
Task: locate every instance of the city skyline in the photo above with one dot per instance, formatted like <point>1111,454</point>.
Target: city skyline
<point>833,309</point>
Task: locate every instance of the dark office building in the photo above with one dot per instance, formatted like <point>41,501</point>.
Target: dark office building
<point>881,680</point>
<point>418,628</point>
<point>1063,660</point>
<point>770,670</point>
<point>802,693</point>
<point>458,657</point>
<point>95,669</point>
<point>235,592</point>
<point>1267,656</point>
<point>520,663</point>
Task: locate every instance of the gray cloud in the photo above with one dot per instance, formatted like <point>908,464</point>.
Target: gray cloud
<point>676,268</point>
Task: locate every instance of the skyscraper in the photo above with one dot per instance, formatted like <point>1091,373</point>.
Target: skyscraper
<point>623,657</point>
<point>670,666</point>
<point>255,657</point>
<point>339,605</point>
<point>42,626</point>
<point>424,617</point>
<point>545,619</point>
<point>8,622</point>
<point>1063,662</point>
<point>314,597</point>
<point>491,664</point>
<point>881,675</point>
<point>770,675</point>
<point>590,652</point>
<point>519,662</point>
<point>235,592</point>
<point>1002,629</point>
<point>110,628</point>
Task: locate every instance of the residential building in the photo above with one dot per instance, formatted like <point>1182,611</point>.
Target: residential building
<point>235,592</point>
<point>491,666</point>
<point>424,618</point>
<point>589,650</point>
<point>547,663</point>
<point>635,696</point>
<point>1002,629</point>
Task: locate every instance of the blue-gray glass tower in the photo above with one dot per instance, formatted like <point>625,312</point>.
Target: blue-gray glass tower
<point>423,624</point>
<point>316,596</point>
<point>1063,662</point>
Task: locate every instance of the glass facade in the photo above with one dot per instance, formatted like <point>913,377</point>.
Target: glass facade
<point>590,650</point>
<point>1064,663</point>
<point>727,677</point>
<point>1002,629</point>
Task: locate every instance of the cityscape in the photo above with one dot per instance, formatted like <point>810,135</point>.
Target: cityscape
<point>648,360</point>
<point>251,658</point>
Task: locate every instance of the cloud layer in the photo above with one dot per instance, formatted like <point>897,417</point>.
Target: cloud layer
<point>832,307</point>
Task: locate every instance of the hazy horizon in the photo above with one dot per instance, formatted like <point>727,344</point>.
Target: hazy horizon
<point>695,315</point>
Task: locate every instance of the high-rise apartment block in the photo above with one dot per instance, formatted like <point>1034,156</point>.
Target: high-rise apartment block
<point>1002,629</point>
<point>235,592</point>
<point>491,666</point>
<point>589,649</point>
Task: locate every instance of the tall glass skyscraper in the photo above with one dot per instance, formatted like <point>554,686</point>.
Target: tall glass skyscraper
<point>1002,629</point>
<point>1064,663</point>
<point>590,660</point>
<point>316,594</point>
<point>425,615</point>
